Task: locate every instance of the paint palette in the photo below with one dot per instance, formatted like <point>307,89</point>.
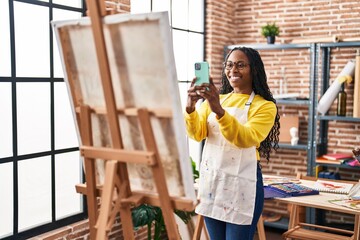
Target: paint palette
<point>288,190</point>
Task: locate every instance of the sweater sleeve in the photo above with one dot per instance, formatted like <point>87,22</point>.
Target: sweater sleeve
<point>254,131</point>
<point>196,122</point>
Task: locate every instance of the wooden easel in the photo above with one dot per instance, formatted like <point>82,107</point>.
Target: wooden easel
<point>116,195</point>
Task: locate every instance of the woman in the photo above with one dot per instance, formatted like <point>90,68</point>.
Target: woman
<point>240,125</point>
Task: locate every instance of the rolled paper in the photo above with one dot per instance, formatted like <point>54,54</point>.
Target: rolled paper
<point>331,93</point>
<point>356,102</point>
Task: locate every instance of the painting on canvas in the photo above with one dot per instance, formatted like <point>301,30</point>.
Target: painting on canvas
<point>142,67</point>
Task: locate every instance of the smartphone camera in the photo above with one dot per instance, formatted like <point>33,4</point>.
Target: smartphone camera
<point>197,66</point>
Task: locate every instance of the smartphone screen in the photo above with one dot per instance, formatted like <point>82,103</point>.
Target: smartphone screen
<point>201,73</point>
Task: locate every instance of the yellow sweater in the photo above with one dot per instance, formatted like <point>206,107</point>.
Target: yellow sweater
<point>261,118</point>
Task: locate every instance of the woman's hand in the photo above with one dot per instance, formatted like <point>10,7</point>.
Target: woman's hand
<point>207,91</point>
<point>193,96</point>
<point>211,93</point>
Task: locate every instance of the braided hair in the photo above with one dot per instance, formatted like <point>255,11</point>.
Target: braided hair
<point>260,87</point>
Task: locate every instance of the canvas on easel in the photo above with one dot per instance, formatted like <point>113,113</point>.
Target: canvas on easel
<point>144,88</point>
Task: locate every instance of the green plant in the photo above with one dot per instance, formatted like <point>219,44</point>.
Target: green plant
<point>147,215</point>
<point>270,29</point>
<point>195,172</point>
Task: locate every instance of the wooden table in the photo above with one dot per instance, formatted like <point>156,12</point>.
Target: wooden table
<point>296,229</point>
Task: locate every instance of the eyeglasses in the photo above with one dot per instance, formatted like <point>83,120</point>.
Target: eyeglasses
<point>239,65</point>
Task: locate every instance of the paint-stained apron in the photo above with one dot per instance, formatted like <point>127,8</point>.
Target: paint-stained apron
<point>227,186</point>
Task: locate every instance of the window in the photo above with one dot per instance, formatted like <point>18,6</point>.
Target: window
<point>187,23</point>
<point>39,157</point>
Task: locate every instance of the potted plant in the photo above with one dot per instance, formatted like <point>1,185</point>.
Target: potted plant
<point>147,215</point>
<point>270,31</point>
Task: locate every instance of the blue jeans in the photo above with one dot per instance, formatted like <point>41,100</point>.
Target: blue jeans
<point>219,230</point>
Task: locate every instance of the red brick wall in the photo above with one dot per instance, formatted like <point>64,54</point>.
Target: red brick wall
<point>239,22</point>
<point>80,230</point>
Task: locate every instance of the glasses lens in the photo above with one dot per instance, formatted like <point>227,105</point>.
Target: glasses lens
<point>229,65</point>
<point>240,65</point>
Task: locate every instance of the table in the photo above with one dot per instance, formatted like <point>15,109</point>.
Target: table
<point>296,228</point>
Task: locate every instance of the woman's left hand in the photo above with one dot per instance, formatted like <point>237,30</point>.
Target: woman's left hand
<point>211,93</point>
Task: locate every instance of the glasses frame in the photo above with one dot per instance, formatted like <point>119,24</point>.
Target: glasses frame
<point>236,64</point>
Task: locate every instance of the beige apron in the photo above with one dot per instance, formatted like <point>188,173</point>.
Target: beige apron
<point>227,174</point>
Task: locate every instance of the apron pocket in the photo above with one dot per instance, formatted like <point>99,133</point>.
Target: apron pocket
<point>206,192</point>
<point>233,194</point>
<point>246,196</point>
<point>226,191</point>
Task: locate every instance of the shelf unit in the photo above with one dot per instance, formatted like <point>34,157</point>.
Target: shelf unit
<point>320,144</point>
<point>309,103</point>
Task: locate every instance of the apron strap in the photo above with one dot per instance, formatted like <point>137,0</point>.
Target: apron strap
<point>248,103</point>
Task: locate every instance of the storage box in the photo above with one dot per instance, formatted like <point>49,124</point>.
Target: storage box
<point>287,122</point>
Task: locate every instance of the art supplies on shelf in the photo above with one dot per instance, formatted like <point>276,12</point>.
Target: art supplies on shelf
<point>333,187</point>
<point>327,161</point>
<point>353,163</point>
<point>337,156</point>
<point>329,175</point>
<point>356,152</point>
<point>282,190</point>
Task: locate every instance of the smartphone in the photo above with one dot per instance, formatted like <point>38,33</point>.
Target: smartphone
<point>201,73</point>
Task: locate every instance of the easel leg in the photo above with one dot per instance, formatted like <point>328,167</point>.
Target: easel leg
<point>90,170</point>
<point>357,227</point>
<point>91,194</point>
<point>260,229</point>
<point>106,208</point>
<point>200,225</point>
<point>159,176</point>
<point>106,200</point>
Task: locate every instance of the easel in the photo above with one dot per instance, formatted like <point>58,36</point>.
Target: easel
<point>116,195</point>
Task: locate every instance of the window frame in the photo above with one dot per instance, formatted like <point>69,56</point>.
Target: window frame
<point>15,159</point>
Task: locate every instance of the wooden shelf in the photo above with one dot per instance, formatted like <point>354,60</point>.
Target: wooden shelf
<point>301,233</point>
<point>283,224</point>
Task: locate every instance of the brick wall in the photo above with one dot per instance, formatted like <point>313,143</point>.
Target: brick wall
<point>239,22</point>
<point>80,230</point>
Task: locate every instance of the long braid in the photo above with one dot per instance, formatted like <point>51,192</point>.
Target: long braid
<point>260,87</point>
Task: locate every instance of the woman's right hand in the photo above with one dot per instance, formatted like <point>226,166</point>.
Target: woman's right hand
<point>193,96</point>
